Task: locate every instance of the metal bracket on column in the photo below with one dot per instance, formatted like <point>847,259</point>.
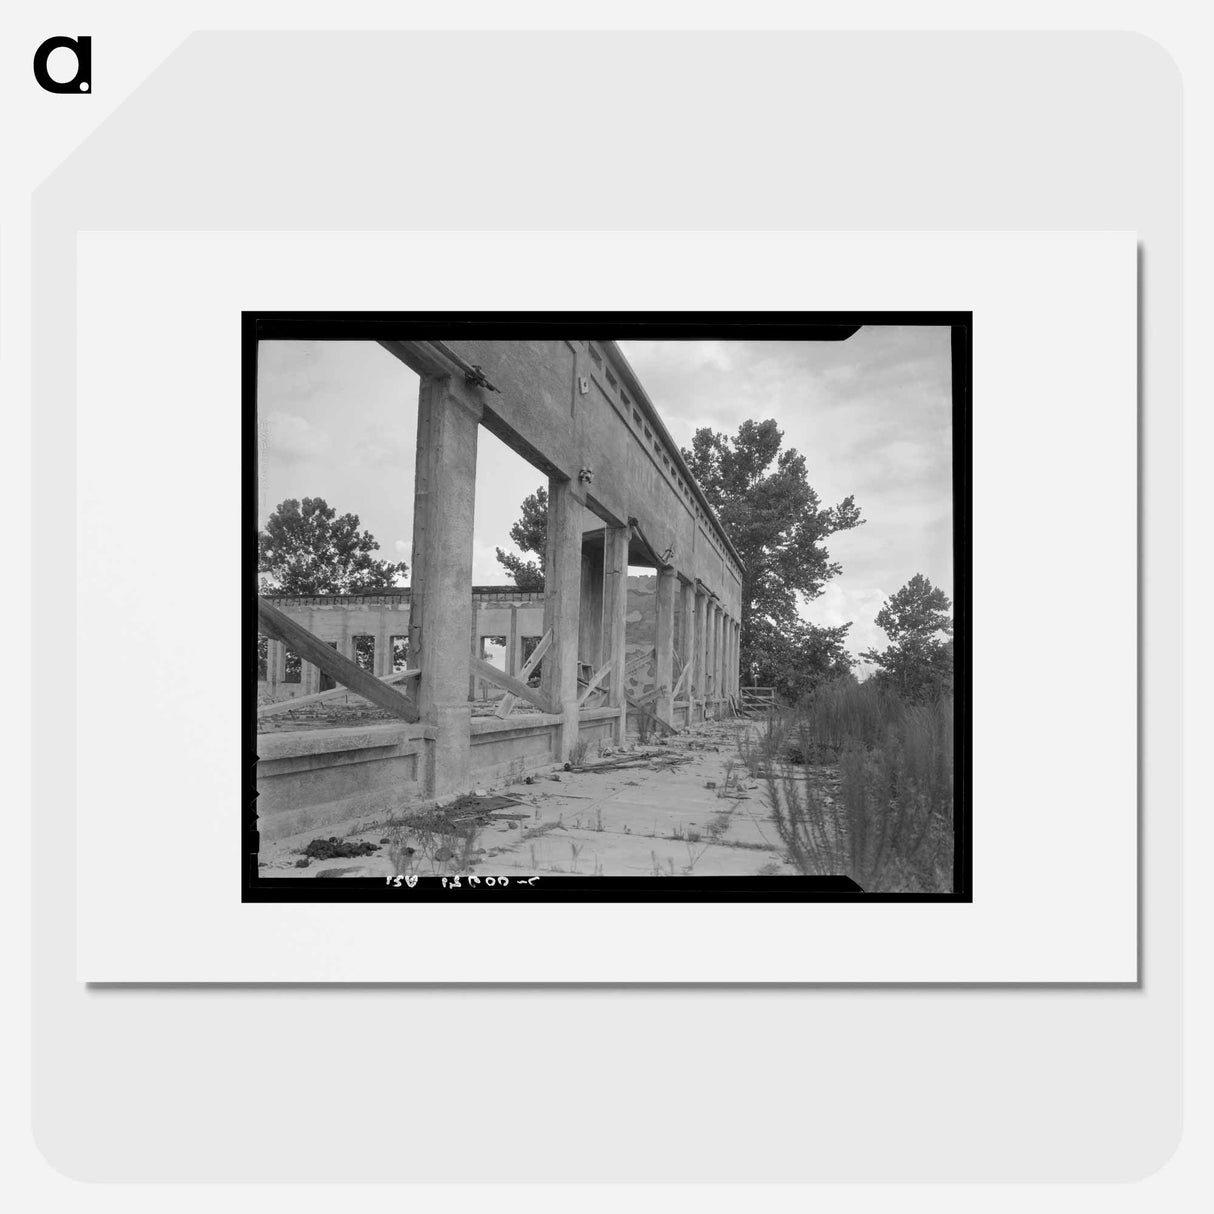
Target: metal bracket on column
<point>476,377</point>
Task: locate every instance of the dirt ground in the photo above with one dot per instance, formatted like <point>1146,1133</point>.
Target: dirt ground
<point>683,805</point>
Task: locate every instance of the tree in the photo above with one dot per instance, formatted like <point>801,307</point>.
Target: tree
<point>798,657</point>
<point>779,527</point>
<point>777,523</point>
<point>308,549</point>
<point>530,534</point>
<point>918,663</point>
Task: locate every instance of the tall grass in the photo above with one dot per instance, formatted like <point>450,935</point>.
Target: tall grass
<point>879,806</point>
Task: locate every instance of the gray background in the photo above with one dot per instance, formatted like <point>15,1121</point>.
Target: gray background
<point>618,131</point>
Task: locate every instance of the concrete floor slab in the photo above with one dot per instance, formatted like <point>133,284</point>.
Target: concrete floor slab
<point>655,817</point>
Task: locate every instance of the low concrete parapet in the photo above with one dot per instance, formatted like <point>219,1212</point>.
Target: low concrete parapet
<point>502,747</point>
<point>312,778</point>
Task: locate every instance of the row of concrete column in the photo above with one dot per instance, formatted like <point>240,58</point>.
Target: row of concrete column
<point>441,605</point>
<point>709,644</point>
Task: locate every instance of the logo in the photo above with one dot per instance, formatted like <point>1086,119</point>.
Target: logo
<point>82,48</point>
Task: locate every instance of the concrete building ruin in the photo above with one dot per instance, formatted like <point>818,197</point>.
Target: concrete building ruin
<point>619,495</point>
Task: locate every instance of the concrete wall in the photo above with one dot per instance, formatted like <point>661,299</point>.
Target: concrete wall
<point>499,611</point>
<point>504,748</point>
<point>315,778</point>
<point>311,779</point>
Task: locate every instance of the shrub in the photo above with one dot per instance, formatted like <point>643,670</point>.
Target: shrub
<point>889,824</point>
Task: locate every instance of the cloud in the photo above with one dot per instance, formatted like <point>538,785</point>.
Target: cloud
<point>679,357</point>
<point>289,438</point>
<point>485,569</point>
<point>843,603</point>
<point>393,445</point>
<point>294,370</point>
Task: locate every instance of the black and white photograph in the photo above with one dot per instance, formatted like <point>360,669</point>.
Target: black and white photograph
<point>607,607</point>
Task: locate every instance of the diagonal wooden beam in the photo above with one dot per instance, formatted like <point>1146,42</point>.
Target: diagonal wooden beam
<point>674,695</point>
<point>280,627</point>
<point>639,661</point>
<point>664,726</point>
<point>505,708</point>
<point>322,697</point>
<point>593,685</point>
<point>499,678</point>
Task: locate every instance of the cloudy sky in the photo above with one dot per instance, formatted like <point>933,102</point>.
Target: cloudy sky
<point>872,416</point>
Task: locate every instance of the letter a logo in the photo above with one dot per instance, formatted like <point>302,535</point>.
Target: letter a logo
<point>82,48</point>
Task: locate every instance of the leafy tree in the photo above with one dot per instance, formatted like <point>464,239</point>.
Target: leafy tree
<point>779,526</point>
<point>918,663</point>
<point>530,533</point>
<point>307,549</point>
<point>798,657</point>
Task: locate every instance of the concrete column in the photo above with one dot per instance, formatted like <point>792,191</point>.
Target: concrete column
<point>737,659</point>
<point>701,670</point>
<point>309,676</point>
<point>718,636</point>
<point>475,685</point>
<point>664,644</point>
<point>615,611</point>
<point>383,647</point>
<point>513,661</point>
<point>728,655</point>
<point>724,655</point>
<point>276,665</point>
<point>720,653</point>
<point>688,642</point>
<point>733,658</point>
<point>732,669</point>
<point>562,592</point>
<point>440,618</point>
<point>716,651</point>
<point>590,648</point>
